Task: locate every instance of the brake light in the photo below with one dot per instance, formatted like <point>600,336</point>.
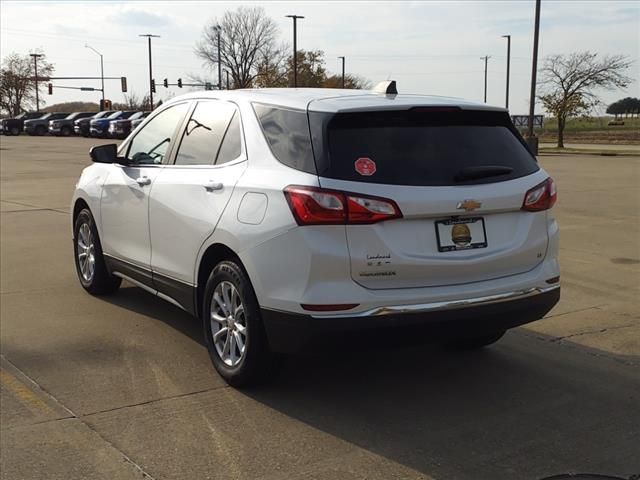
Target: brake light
<point>319,206</point>
<point>541,197</point>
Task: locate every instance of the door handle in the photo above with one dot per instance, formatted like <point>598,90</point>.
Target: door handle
<point>143,181</point>
<point>211,186</point>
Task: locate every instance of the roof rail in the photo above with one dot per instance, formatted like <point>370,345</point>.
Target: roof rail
<point>387,87</point>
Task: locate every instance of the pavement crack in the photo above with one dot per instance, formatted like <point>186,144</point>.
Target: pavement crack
<point>589,332</point>
<point>155,400</point>
<point>73,416</point>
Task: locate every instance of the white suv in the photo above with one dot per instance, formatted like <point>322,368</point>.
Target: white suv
<point>285,217</point>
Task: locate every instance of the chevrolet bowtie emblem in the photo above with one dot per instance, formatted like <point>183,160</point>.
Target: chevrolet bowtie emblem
<point>468,205</point>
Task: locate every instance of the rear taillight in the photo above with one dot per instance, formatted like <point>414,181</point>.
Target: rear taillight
<point>319,206</point>
<point>541,197</point>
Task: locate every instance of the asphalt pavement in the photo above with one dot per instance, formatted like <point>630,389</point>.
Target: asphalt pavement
<point>122,387</point>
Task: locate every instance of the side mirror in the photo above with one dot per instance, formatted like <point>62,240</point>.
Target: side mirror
<point>105,154</point>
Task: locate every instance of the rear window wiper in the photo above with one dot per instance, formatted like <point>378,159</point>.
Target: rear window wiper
<point>483,171</point>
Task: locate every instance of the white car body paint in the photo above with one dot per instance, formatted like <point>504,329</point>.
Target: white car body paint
<point>168,225</point>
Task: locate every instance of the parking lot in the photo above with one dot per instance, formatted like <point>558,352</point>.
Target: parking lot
<point>122,387</point>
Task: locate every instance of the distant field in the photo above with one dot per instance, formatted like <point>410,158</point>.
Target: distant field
<point>592,130</point>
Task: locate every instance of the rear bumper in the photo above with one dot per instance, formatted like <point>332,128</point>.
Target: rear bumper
<point>293,332</point>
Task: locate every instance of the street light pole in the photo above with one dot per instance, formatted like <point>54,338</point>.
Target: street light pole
<point>218,28</point>
<point>342,58</point>
<point>534,70</point>
<point>506,101</point>
<point>149,37</point>
<point>486,60</point>
<point>295,49</point>
<point>35,67</point>
<point>101,68</point>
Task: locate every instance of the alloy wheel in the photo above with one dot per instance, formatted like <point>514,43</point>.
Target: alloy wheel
<point>228,324</point>
<point>86,252</point>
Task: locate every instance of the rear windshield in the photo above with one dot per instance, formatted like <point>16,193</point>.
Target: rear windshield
<point>422,147</point>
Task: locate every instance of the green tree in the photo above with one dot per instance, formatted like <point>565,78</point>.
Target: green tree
<point>569,83</point>
<point>17,87</point>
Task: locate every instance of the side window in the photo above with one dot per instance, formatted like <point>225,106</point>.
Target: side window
<point>204,133</point>
<point>232,143</point>
<point>151,144</point>
<point>287,132</point>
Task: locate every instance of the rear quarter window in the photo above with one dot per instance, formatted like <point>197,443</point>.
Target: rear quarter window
<point>287,133</point>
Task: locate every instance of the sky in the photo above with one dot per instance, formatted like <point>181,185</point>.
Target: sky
<point>428,47</point>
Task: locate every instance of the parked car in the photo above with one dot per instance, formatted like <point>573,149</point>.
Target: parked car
<point>81,126</point>
<point>15,125</point>
<point>99,127</point>
<point>64,126</point>
<point>284,217</point>
<point>121,128</point>
<point>40,126</point>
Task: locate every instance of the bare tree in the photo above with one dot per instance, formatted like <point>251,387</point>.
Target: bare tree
<point>246,36</point>
<point>132,101</point>
<point>17,88</point>
<point>569,83</point>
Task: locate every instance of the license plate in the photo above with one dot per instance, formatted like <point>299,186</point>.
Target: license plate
<point>461,234</point>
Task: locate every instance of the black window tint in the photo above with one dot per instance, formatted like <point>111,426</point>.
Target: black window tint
<point>204,133</point>
<point>151,144</point>
<point>422,148</point>
<point>287,132</point>
<point>232,143</point>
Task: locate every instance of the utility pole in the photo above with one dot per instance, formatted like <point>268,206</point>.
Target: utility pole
<point>35,67</point>
<point>227,72</point>
<point>342,58</point>
<point>533,143</point>
<point>486,60</point>
<point>506,101</point>
<point>149,37</point>
<point>295,48</point>
<point>218,28</point>
<point>101,68</point>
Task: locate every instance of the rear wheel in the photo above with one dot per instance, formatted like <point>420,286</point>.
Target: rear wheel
<point>474,342</point>
<point>90,266</point>
<point>15,131</point>
<point>233,328</point>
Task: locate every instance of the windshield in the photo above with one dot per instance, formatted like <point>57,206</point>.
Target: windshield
<point>115,115</point>
<point>44,117</point>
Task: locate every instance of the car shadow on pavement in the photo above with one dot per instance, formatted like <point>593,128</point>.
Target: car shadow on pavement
<point>526,408</point>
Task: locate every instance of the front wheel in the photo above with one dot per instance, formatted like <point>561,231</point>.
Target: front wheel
<point>233,328</point>
<point>90,266</point>
<point>40,130</point>
<point>15,131</point>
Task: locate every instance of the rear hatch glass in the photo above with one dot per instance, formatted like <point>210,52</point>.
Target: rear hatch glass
<point>421,147</point>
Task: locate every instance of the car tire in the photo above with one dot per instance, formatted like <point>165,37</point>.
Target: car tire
<point>65,131</point>
<point>475,342</point>
<point>234,323</point>
<point>15,131</point>
<point>40,130</point>
<point>89,260</point>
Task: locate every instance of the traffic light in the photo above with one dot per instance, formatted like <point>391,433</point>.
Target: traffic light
<point>123,84</point>
<point>166,83</point>
<point>50,86</point>
<point>105,105</point>
<point>153,85</point>
<point>180,83</point>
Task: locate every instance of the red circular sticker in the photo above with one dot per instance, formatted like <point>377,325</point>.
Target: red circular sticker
<point>365,166</point>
